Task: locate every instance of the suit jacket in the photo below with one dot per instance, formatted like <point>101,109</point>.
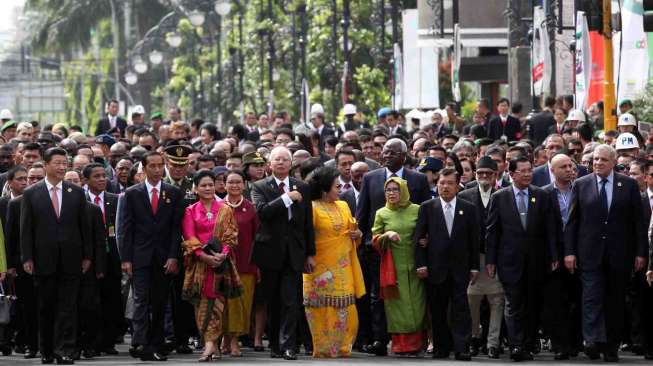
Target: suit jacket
<point>473,195</point>
<point>113,186</point>
<point>254,136</point>
<point>103,126</point>
<point>147,238</point>
<point>4,204</point>
<point>617,238</point>
<point>109,232</point>
<point>98,238</point>
<point>479,131</point>
<point>456,254</point>
<point>541,176</point>
<point>350,197</point>
<point>278,238</point>
<point>538,126</point>
<point>48,240</point>
<point>511,248</point>
<point>504,183</point>
<point>401,131</point>
<point>372,195</point>
<point>512,130</point>
<point>12,234</point>
<point>371,164</point>
<point>557,221</point>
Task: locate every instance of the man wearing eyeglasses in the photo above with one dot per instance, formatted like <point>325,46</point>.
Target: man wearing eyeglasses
<point>542,175</point>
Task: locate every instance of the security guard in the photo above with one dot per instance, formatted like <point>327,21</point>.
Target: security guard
<point>177,169</point>
<point>254,168</point>
<point>182,312</point>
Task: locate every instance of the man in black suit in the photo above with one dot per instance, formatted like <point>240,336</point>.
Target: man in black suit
<point>120,182</point>
<point>562,289</point>
<point>55,246</point>
<point>485,287</point>
<point>522,250</point>
<point>317,120</point>
<point>358,171</point>
<point>538,126</point>
<point>150,226</point>
<point>112,120</point>
<point>504,126</point>
<point>543,175</point>
<point>448,259</point>
<point>112,309</point>
<point>283,247</point>
<point>372,197</point>
<point>394,128</point>
<point>606,239</point>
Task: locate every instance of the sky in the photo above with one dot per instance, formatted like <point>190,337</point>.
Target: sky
<point>7,13</point>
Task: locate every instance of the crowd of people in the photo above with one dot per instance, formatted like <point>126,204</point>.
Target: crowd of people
<point>510,235</point>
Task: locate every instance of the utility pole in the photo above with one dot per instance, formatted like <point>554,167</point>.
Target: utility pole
<point>609,103</point>
<point>519,53</point>
<point>116,48</point>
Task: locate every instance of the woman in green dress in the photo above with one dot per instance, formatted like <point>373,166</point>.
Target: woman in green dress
<point>401,289</point>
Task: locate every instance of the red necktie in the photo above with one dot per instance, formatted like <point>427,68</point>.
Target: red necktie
<point>347,186</point>
<point>155,200</point>
<point>99,204</point>
<point>282,185</point>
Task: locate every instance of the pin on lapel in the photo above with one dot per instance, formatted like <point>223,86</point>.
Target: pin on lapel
<point>167,200</point>
<point>533,199</point>
<point>618,184</point>
<point>460,212</point>
<point>70,190</point>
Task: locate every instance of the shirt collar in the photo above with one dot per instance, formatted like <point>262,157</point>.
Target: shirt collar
<point>399,173</point>
<point>286,181</point>
<point>343,182</point>
<point>149,186</point>
<point>92,196</point>
<point>49,186</point>
<point>610,178</point>
<point>517,190</point>
<point>452,202</point>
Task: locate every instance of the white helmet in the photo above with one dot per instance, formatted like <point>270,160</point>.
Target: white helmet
<point>317,109</point>
<point>576,115</point>
<point>627,119</point>
<point>349,109</point>
<point>6,114</point>
<point>138,110</point>
<point>626,141</point>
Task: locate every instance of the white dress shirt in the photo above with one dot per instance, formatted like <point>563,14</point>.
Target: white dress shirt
<point>59,192</point>
<point>149,187</point>
<point>342,183</point>
<point>286,199</point>
<point>92,197</point>
<point>399,173</point>
<point>608,187</point>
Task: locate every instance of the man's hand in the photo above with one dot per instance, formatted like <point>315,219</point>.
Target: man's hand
<point>392,236</point>
<point>555,265</point>
<point>640,263</point>
<point>422,272</point>
<point>309,266</point>
<point>28,267</point>
<point>355,234</point>
<point>570,263</point>
<point>473,277</point>
<point>423,242</point>
<point>127,268</point>
<point>99,276</point>
<point>295,196</point>
<point>649,278</point>
<point>86,264</point>
<point>11,272</point>
<point>3,275</point>
<point>171,266</point>
<point>491,270</point>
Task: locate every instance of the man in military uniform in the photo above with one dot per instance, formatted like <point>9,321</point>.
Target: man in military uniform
<point>182,312</point>
<point>254,169</point>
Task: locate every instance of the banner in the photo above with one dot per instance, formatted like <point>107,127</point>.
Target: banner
<point>597,70</point>
<point>583,60</point>
<point>419,82</point>
<point>398,78</point>
<point>306,103</point>
<point>634,52</point>
<point>455,64</point>
<point>541,57</point>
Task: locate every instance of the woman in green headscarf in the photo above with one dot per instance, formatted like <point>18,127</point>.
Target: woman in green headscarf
<point>401,289</point>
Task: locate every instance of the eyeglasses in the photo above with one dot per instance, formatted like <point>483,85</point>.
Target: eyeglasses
<point>484,173</point>
<point>392,190</point>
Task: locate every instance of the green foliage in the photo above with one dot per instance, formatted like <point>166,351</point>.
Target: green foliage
<point>643,106</point>
<point>373,94</point>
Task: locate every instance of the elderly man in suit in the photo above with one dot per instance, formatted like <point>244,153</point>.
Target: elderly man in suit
<point>485,287</point>
<point>150,214</point>
<point>358,171</point>
<point>606,239</point>
<point>372,197</point>
<point>521,249</point>
<point>55,247</point>
<point>284,247</point>
<point>448,259</point>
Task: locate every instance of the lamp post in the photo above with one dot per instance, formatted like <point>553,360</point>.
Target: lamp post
<point>334,39</point>
<point>345,50</point>
<point>116,47</point>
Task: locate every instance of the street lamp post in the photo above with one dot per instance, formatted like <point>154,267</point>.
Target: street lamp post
<point>334,38</point>
<point>345,49</point>
<point>116,47</point>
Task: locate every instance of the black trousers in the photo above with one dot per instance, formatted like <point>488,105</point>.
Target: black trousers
<point>522,311</point>
<point>648,318</point>
<point>89,313</point>
<point>57,304</point>
<point>113,311</point>
<point>635,326</point>
<point>284,298</point>
<point>26,312</point>
<point>151,291</point>
<point>455,336</point>
<point>183,317</point>
<point>370,266</point>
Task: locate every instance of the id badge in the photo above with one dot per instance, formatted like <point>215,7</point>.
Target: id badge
<point>112,231</point>
<point>504,138</point>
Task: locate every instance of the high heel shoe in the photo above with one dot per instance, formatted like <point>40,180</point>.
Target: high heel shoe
<point>206,358</point>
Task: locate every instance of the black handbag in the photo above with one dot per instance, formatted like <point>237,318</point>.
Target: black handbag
<point>6,299</point>
<point>213,247</point>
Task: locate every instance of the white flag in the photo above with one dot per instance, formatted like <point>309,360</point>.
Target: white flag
<point>541,57</point>
<point>583,60</point>
<point>634,52</point>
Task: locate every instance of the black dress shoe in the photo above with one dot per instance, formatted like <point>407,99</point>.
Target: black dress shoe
<point>65,360</point>
<point>559,356</point>
<point>76,355</point>
<point>47,360</point>
<point>153,356</point>
<point>289,355</point>
<point>276,354</point>
<point>6,350</point>
<point>440,355</point>
<point>592,351</point>
<point>184,350</point>
<point>19,348</point>
<point>648,355</point>
<point>517,354</point>
<point>110,351</point>
<point>493,352</point>
<point>463,356</point>
<point>474,347</point>
<point>136,352</point>
<point>610,356</point>
<point>378,348</point>
<point>89,353</point>
<point>30,353</point>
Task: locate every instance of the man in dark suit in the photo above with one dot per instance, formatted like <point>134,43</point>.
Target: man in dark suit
<point>394,128</point>
<point>112,309</point>
<point>561,288</point>
<point>504,126</point>
<point>485,287</point>
<point>372,197</point>
<point>317,120</point>
<point>606,239</point>
<point>16,184</point>
<point>284,247</point>
<point>112,120</point>
<point>449,261</point>
<point>538,125</point>
<point>553,145</point>
<point>358,171</point>
<point>55,246</point>
<point>119,183</point>
<point>521,248</point>
<point>151,216</point>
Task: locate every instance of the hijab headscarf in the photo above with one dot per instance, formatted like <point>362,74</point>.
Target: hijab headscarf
<point>404,194</point>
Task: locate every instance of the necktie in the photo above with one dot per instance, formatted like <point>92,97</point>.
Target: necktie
<point>523,210</point>
<point>347,186</point>
<point>604,196</point>
<point>55,201</point>
<point>155,200</point>
<point>448,217</point>
<point>282,187</point>
<point>98,203</point>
